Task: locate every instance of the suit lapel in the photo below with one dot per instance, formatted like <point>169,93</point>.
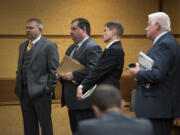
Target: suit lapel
<point>157,42</point>
<point>114,44</point>
<point>80,49</point>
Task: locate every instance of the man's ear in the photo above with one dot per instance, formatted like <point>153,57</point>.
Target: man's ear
<point>84,29</point>
<point>158,26</point>
<point>97,111</point>
<point>114,31</point>
<point>122,104</point>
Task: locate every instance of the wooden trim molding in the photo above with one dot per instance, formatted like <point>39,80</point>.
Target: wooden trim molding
<point>69,36</point>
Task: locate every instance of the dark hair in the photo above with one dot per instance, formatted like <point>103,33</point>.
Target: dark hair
<point>83,23</point>
<point>117,26</point>
<point>105,96</point>
<point>38,21</point>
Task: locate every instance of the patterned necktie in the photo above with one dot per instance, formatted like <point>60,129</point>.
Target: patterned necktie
<point>29,46</point>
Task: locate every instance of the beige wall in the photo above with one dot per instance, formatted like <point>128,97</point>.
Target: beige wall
<point>57,16</point>
<point>172,8</point>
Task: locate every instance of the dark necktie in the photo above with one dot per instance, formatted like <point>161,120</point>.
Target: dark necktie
<point>74,51</point>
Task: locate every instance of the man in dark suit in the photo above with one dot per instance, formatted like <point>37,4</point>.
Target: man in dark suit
<point>36,79</point>
<point>106,102</point>
<point>159,101</point>
<point>87,52</point>
<point>110,66</point>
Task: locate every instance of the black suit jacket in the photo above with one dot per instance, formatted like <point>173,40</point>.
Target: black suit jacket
<point>160,100</point>
<point>115,123</point>
<point>88,54</point>
<point>108,69</point>
<point>41,73</point>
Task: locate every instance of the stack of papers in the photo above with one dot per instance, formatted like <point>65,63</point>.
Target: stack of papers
<point>145,62</point>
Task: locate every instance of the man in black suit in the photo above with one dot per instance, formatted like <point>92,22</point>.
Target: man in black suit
<point>110,66</point>
<point>106,102</point>
<point>36,79</point>
<point>159,102</point>
<point>87,52</point>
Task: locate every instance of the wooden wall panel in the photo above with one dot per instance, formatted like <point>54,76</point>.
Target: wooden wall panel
<point>178,39</point>
<point>132,47</point>
<point>172,8</point>
<point>127,84</point>
<point>10,47</point>
<point>58,14</point>
<point>9,56</point>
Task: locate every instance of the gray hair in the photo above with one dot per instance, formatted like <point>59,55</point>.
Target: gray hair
<point>162,18</point>
<point>38,21</point>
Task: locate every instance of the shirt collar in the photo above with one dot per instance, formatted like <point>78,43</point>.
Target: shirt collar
<point>80,43</point>
<point>111,43</point>
<point>35,40</point>
<point>158,37</point>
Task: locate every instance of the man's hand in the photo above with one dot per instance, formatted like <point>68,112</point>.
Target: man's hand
<point>134,70</point>
<point>67,76</point>
<point>79,93</point>
<point>58,76</point>
<point>177,121</point>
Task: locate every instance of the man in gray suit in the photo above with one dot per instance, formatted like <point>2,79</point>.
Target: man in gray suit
<point>106,102</point>
<point>36,79</point>
<point>87,52</point>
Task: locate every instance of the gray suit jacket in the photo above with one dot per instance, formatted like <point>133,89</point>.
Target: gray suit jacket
<point>41,74</point>
<point>115,123</point>
<point>161,100</point>
<point>88,55</point>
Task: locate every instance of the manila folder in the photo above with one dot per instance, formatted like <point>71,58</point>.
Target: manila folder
<point>69,65</point>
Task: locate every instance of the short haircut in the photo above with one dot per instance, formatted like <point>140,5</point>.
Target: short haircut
<point>162,18</point>
<point>117,26</point>
<point>106,96</point>
<point>38,21</point>
<point>83,23</point>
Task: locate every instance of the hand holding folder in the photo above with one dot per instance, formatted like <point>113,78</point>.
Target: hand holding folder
<point>68,65</point>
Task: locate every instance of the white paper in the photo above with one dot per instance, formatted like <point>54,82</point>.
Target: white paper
<point>145,62</point>
<point>89,92</point>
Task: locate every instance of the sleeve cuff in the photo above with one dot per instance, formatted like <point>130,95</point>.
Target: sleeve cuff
<point>80,86</point>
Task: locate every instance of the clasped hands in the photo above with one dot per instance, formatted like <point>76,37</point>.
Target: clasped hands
<point>65,76</point>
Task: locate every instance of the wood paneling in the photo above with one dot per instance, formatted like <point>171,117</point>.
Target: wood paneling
<point>172,8</point>
<point>58,14</point>
<point>8,95</point>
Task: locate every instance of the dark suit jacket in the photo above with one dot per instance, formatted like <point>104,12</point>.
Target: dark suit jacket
<point>160,101</point>
<point>88,54</point>
<point>41,74</point>
<point>115,123</point>
<point>109,68</point>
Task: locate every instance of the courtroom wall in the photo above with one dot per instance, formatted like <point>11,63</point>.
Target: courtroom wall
<point>57,16</point>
